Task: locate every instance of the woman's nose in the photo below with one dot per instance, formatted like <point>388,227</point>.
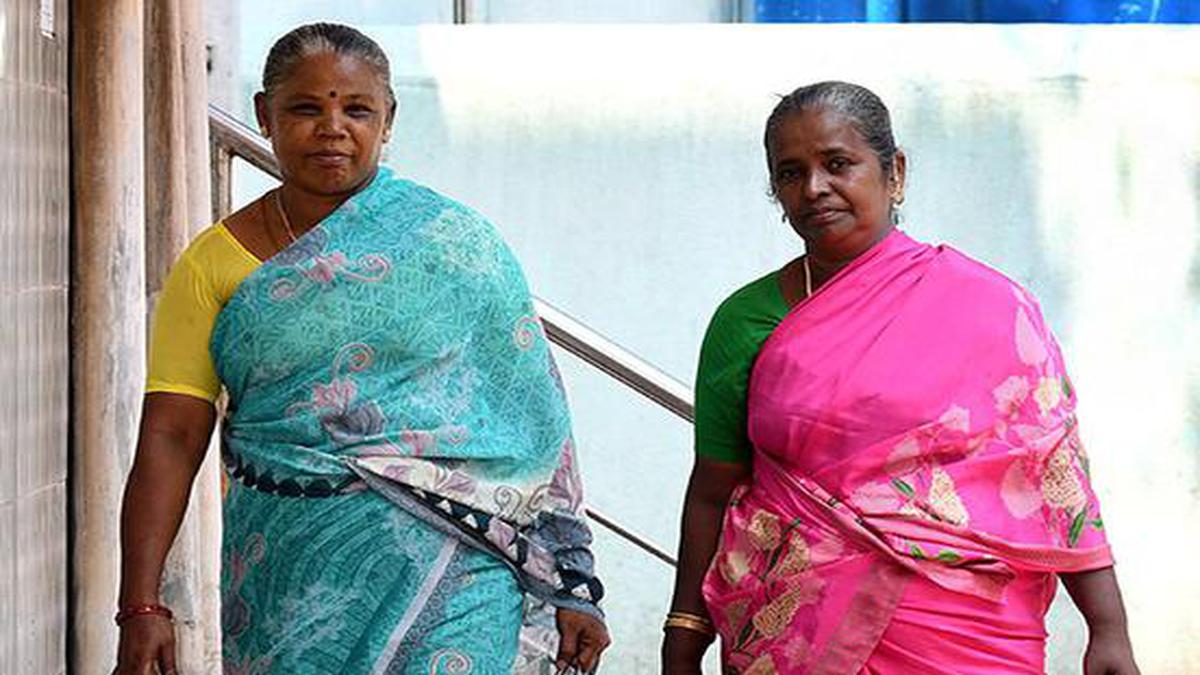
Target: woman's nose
<point>332,124</point>
<point>816,183</point>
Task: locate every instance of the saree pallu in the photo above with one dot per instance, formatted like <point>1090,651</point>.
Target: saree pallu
<point>917,478</point>
<point>403,493</point>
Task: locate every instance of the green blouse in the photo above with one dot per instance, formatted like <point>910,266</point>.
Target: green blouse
<point>737,331</point>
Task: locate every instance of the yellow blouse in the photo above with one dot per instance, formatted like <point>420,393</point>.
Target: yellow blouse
<point>199,285</point>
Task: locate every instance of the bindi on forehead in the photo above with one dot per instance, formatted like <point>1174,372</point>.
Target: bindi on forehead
<point>332,94</point>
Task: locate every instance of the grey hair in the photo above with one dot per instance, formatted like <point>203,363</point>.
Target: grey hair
<point>865,111</point>
<point>318,38</point>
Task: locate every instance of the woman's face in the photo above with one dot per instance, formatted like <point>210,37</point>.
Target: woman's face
<point>328,121</point>
<point>831,185</point>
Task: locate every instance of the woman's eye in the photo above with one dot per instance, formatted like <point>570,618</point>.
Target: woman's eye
<point>359,111</point>
<point>305,109</point>
<point>838,164</point>
<point>786,175</point>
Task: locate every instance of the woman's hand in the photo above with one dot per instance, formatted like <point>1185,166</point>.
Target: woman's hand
<point>683,651</point>
<point>171,445</point>
<point>1109,653</point>
<point>582,638</point>
<point>709,489</point>
<point>147,646</point>
<point>1098,598</point>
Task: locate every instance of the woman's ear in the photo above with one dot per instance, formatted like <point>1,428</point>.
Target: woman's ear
<point>899,173</point>
<point>391,120</point>
<point>260,113</point>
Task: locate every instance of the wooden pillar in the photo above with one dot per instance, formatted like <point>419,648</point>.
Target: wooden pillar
<point>206,499</point>
<point>177,207</point>
<point>108,307</point>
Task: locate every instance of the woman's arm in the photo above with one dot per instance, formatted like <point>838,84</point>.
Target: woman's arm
<point>1098,598</point>
<point>172,442</point>
<point>708,492</point>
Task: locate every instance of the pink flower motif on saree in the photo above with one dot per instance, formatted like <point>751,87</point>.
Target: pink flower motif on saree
<point>905,457</point>
<point>350,423</point>
<point>418,441</point>
<point>775,564</point>
<point>763,531</point>
<point>325,268</point>
<point>317,270</point>
<point>944,500</point>
<point>1061,487</point>
<point>734,566</point>
<point>1022,497</point>
<point>956,418</point>
<point>527,331</point>
<point>449,661</point>
<point>337,394</point>
<point>1011,394</point>
<point>1048,394</point>
<point>879,497</point>
<point>763,665</point>
<point>1031,348</point>
<point>796,652</point>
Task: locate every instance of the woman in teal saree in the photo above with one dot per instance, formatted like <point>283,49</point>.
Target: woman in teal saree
<point>402,494</point>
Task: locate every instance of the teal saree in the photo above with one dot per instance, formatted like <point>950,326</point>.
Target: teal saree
<point>403,491</point>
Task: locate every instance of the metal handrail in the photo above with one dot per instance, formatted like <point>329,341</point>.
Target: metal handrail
<point>462,11</point>
<point>231,138</point>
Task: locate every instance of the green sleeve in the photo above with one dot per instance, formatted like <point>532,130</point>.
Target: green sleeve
<point>737,331</point>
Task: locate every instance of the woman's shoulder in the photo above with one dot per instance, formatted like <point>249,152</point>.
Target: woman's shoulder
<point>215,263</point>
<point>750,312</point>
<point>759,296</point>
<point>982,281</point>
<point>217,245</point>
<point>397,190</point>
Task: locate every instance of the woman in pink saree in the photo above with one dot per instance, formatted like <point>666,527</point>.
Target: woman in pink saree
<point>912,482</point>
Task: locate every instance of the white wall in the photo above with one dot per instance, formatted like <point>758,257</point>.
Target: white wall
<point>624,165</point>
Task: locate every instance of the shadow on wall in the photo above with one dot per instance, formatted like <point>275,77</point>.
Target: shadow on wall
<point>973,181</point>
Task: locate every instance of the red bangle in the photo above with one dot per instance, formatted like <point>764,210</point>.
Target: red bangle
<point>127,613</point>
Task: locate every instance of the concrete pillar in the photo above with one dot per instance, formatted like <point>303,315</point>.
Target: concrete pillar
<point>108,306</point>
<point>177,207</point>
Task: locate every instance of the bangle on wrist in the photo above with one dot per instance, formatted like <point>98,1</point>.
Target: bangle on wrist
<point>690,622</point>
<point>152,609</point>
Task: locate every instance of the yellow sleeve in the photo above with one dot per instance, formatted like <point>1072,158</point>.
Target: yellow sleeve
<point>196,290</point>
<point>183,321</point>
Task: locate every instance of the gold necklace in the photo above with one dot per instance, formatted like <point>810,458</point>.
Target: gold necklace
<point>807,278</point>
<point>287,224</point>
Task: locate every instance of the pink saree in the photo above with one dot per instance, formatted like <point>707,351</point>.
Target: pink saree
<point>918,478</point>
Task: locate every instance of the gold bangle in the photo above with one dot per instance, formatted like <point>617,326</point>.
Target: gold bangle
<point>689,615</point>
<point>693,626</point>
<point>692,622</point>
